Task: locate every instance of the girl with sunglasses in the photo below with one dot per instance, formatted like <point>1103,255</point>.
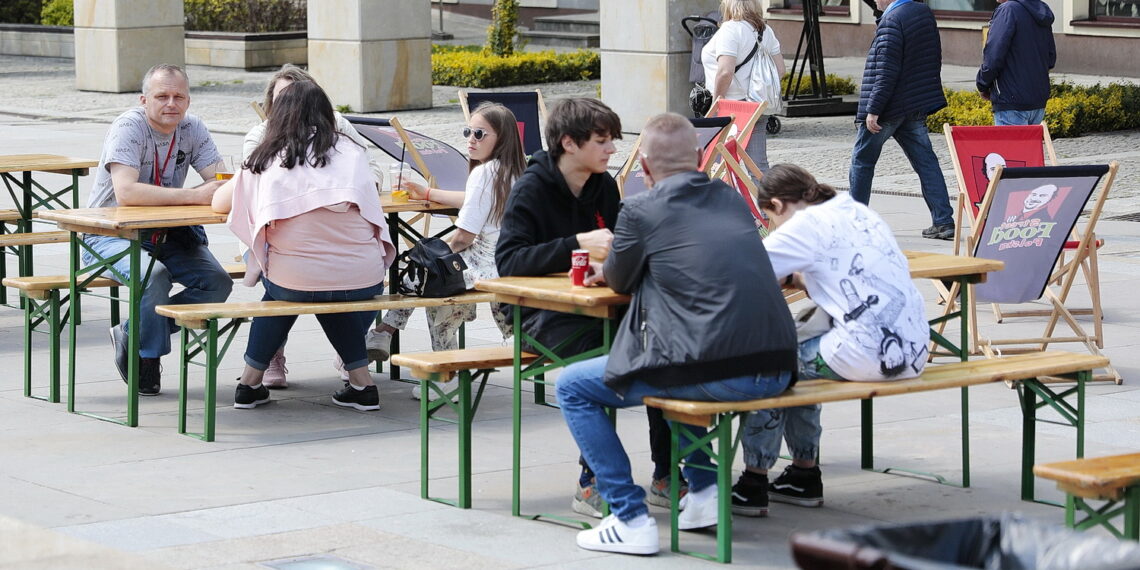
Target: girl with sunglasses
<point>496,158</point>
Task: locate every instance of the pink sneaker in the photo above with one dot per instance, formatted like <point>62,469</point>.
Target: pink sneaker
<point>275,374</point>
<point>338,364</point>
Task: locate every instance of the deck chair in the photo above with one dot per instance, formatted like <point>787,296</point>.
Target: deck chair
<point>710,132</point>
<point>438,162</point>
<point>975,151</point>
<point>737,169</point>
<point>257,108</point>
<point>1025,220</point>
<point>745,115</point>
<point>527,106</point>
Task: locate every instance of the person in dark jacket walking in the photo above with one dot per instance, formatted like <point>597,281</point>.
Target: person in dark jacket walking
<point>902,85</point>
<point>703,324</point>
<point>1016,61</point>
<point>565,200</point>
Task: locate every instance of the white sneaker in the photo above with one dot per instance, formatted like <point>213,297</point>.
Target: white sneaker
<point>379,345</point>
<point>698,512</point>
<point>612,535</point>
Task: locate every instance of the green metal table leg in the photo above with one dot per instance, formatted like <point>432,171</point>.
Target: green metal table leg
<point>516,414</point>
<point>674,487</point>
<point>1028,440</point>
<point>183,377</point>
<point>72,296</point>
<point>424,439</point>
<point>133,340</point>
<point>1132,512</point>
<point>53,345</point>
<point>465,417</point>
<point>724,455</point>
<point>866,417</point>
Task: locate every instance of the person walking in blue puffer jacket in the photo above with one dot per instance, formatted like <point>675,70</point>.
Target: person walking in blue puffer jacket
<point>1016,61</point>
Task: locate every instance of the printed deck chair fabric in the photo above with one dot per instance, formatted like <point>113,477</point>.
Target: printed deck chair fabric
<point>710,132</point>
<point>527,106</point>
<point>1025,220</point>
<point>744,115</point>
<point>438,162</point>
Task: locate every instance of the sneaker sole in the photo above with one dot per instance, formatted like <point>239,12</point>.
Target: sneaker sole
<point>377,355</point>
<point>251,405</point>
<point>810,503</point>
<point>697,525</point>
<point>354,405</point>
<point>155,393</point>
<point>115,349</point>
<point>584,508</point>
<point>275,385</point>
<point>743,511</point>
<point>621,548</point>
<point>658,500</point>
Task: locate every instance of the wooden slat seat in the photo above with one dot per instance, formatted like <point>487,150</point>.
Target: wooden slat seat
<point>40,286</point>
<point>1114,478</point>
<point>442,365</point>
<point>1022,368</point>
<point>7,216</point>
<point>33,238</point>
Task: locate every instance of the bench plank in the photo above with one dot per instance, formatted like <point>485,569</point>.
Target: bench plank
<point>935,377</point>
<point>38,286</point>
<point>445,362</point>
<point>10,216</point>
<point>1094,477</point>
<point>33,238</point>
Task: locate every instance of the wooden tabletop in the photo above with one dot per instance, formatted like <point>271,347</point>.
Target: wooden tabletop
<point>554,292</point>
<point>391,207</point>
<point>45,163</point>
<point>127,220</point>
<point>927,265</point>
<point>1097,477</point>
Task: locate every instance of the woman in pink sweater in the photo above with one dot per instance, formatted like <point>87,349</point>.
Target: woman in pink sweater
<point>305,203</point>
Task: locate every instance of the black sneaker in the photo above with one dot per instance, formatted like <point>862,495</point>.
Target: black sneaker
<point>750,495</point>
<point>150,376</point>
<point>119,347</point>
<point>943,232</point>
<point>364,400</point>
<point>798,486</point>
<point>247,397</point>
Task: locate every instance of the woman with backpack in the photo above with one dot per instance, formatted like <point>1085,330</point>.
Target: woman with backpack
<point>742,41</point>
<point>495,153</point>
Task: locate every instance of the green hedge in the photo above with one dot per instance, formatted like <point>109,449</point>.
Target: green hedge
<point>58,13</point>
<point>252,16</point>
<point>836,85</point>
<point>470,66</point>
<point>1071,111</point>
<point>20,11</point>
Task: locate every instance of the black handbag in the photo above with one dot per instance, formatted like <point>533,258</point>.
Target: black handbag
<point>432,270</point>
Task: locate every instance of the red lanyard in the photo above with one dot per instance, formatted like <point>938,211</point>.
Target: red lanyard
<point>159,171</point>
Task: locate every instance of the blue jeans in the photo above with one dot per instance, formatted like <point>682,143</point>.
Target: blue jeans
<point>1013,117</point>
<point>584,398</point>
<point>799,425</point>
<point>912,136</point>
<point>345,331</point>
<point>196,269</point>
<point>757,148</point>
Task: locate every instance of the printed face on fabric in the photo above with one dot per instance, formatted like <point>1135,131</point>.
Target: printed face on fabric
<point>1038,197</point>
<point>166,101</point>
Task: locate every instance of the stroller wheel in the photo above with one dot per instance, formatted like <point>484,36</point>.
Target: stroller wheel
<point>773,125</point>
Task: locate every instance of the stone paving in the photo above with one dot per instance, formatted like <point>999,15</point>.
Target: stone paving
<point>301,478</point>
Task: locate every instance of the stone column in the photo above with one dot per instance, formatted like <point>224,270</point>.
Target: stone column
<point>372,55</point>
<point>645,57</point>
<point>116,41</point>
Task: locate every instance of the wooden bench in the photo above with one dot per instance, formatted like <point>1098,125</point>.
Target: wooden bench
<point>47,304</point>
<point>20,244</point>
<point>9,216</point>
<point>201,332</point>
<point>1022,369</point>
<point>434,368</point>
<point>1115,479</point>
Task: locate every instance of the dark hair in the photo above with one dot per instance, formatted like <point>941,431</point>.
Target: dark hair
<point>790,183</point>
<point>579,119</point>
<point>508,151</point>
<point>300,129</point>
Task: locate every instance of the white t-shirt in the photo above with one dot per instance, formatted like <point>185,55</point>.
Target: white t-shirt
<point>853,269</point>
<point>478,200</point>
<point>736,38</point>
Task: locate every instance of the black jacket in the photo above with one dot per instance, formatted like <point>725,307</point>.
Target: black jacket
<point>1018,56</point>
<point>903,73</point>
<point>537,234</point>
<point>706,305</point>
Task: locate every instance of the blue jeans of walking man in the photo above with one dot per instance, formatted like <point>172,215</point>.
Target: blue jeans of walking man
<point>584,399</point>
<point>1015,117</point>
<point>912,136</point>
<point>195,268</point>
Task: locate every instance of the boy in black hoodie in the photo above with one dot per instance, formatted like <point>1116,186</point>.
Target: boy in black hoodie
<point>566,200</point>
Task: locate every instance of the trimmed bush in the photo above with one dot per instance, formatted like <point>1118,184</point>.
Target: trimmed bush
<point>504,27</point>
<point>835,84</point>
<point>58,13</point>
<point>1071,111</point>
<point>467,66</point>
<point>251,16</point>
<point>20,11</point>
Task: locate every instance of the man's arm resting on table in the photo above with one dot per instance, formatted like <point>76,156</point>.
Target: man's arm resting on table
<point>129,191</point>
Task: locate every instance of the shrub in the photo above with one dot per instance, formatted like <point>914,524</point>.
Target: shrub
<point>835,84</point>
<point>20,11</point>
<point>58,13</point>
<point>245,15</point>
<point>465,66</point>
<point>503,28</point>
<point>1071,111</point>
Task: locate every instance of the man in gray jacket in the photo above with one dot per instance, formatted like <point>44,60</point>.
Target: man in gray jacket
<point>707,322</point>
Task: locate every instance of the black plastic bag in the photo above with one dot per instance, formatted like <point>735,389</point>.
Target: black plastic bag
<point>432,270</point>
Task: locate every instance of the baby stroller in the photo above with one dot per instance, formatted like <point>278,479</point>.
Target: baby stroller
<point>701,30</point>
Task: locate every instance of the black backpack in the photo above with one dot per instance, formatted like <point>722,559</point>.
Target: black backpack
<point>432,270</point>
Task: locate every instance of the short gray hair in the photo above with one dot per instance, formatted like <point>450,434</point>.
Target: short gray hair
<point>669,145</point>
<point>162,69</point>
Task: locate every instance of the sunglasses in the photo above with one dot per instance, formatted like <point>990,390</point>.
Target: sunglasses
<point>479,133</point>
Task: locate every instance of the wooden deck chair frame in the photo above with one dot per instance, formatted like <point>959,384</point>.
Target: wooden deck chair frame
<point>1057,288</point>
<point>463,94</point>
<point>1090,270</point>
<point>742,128</point>
<point>630,165</point>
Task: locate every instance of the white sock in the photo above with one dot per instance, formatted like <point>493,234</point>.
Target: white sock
<point>354,386</point>
<point>638,521</point>
<point>255,387</point>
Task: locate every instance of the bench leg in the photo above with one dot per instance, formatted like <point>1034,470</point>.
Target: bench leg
<point>1074,415</point>
<point>214,342</point>
<point>465,410</point>
<point>1125,507</point>
<point>35,314</point>
<point>719,445</point>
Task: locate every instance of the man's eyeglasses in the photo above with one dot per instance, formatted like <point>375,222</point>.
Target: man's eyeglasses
<point>479,133</point>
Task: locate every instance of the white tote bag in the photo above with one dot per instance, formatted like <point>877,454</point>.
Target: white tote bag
<point>764,80</point>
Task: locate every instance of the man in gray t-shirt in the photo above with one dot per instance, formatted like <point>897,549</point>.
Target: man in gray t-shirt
<point>146,156</point>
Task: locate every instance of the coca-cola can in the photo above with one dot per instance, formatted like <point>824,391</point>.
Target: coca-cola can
<point>579,266</point>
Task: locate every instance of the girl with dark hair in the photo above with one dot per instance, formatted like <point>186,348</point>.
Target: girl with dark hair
<point>873,325</point>
<point>305,204</point>
<point>495,154</point>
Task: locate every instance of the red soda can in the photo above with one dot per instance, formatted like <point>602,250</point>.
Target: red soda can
<point>579,266</point>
